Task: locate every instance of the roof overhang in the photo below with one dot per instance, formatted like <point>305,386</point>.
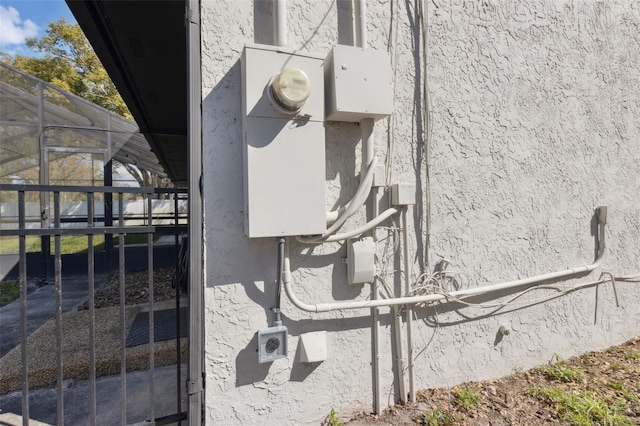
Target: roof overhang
<point>142,45</point>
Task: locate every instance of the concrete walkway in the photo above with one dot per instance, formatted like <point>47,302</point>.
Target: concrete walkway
<point>41,304</point>
<point>43,402</point>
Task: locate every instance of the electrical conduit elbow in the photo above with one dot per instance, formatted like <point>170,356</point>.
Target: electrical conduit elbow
<point>359,198</point>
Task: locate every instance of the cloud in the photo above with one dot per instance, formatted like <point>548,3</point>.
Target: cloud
<point>13,30</point>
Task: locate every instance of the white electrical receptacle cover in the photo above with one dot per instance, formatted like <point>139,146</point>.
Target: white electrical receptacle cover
<point>361,260</point>
<point>283,154</point>
<point>313,347</point>
<point>359,84</point>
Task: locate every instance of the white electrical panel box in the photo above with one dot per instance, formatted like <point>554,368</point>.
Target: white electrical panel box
<point>283,142</point>
<point>359,84</point>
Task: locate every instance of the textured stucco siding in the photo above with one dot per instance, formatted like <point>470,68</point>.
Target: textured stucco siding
<point>536,121</point>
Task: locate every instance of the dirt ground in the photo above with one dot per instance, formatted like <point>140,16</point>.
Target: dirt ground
<point>596,388</point>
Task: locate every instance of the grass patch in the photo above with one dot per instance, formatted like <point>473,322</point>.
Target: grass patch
<point>631,355</point>
<point>563,372</point>
<point>69,244</point>
<point>438,417</point>
<point>616,366</point>
<point>467,398</point>
<point>9,291</point>
<point>332,419</point>
<point>584,408</point>
<point>624,391</point>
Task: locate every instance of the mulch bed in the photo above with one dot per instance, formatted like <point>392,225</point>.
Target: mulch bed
<point>613,375</point>
<point>136,289</point>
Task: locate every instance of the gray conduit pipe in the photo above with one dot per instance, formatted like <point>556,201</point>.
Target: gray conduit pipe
<point>368,152</point>
<point>375,315</point>
<point>409,310</point>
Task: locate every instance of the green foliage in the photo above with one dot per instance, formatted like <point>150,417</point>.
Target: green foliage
<point>69,244</point>
<point>438,417</point>
<point>9,291</point>
<point>623,390</point>
<point>68,61</point>
<point>467,398</point>
<point>615,366</point>
<point>631,355</point>
<point>584,408</point>
<point>563,372</point>
<point>332,419</point>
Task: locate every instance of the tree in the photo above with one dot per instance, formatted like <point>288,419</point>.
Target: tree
<point>69,62</point>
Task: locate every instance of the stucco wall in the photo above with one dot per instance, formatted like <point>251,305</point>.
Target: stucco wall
<point>536,121</point>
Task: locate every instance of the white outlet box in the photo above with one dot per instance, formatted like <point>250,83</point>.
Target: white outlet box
<point>313,347</point>
<point>403,194</point>
<point>361,260</point>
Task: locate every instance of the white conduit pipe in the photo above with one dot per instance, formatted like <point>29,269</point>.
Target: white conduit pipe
<point>364,228</point>
<point>362,23</point>
<point>280,23</point>
<point>412,300</point>
<point>368,142</point>
<point>332,216</point>
<point>409,310</point>
<point>359,198</point>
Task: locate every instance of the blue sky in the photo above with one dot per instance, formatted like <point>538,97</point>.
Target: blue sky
<point>20,19</point>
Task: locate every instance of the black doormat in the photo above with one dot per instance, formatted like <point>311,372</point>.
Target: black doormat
<point>164,324</point>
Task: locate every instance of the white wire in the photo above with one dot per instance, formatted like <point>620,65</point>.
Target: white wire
<point>561,290</point>
<point>364,228</point>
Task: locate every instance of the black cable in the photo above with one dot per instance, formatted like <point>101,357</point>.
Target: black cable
<point>280,268</point>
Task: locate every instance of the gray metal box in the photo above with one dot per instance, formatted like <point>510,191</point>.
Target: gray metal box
<point>359,84</point>
<point>283,155</point>
<point>272,343</point>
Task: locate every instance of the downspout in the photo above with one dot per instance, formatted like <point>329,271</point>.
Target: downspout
<point>195,379</point>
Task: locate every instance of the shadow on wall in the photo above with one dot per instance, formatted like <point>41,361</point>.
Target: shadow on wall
<point>249,370</point>
<point>224,208</point>
<point>227,243</point>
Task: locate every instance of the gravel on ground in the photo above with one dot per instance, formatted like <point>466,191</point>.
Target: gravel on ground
<point>42,343</point>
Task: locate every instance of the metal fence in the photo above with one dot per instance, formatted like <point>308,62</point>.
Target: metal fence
<point>110,225</point>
